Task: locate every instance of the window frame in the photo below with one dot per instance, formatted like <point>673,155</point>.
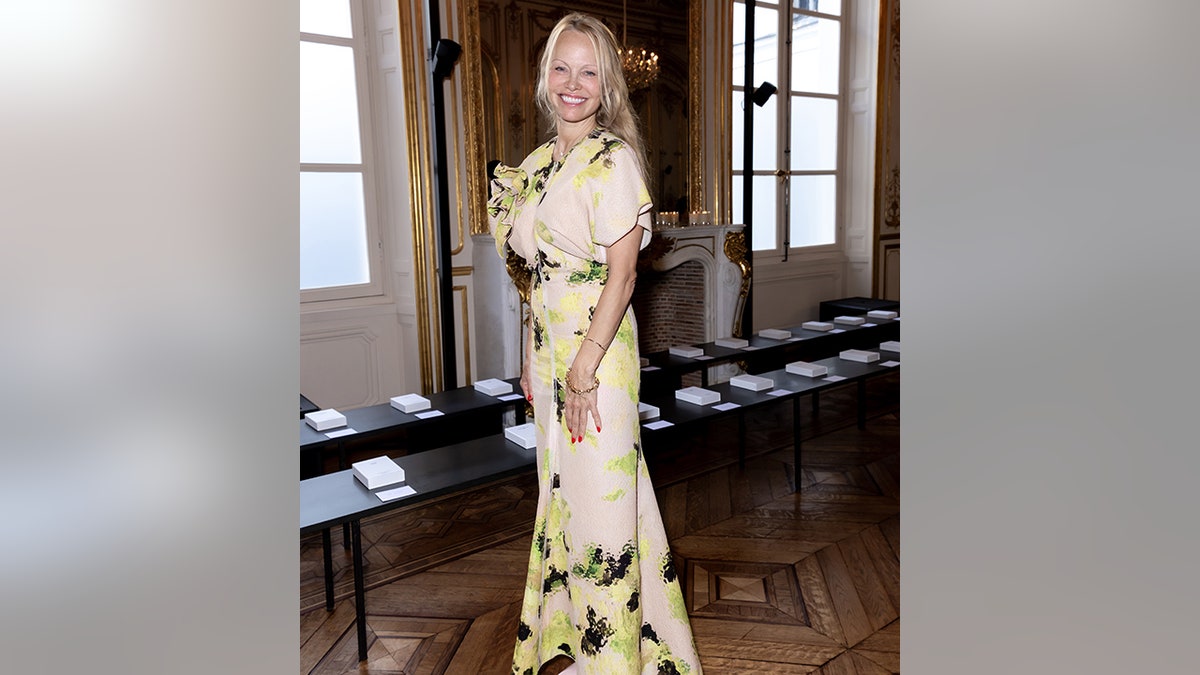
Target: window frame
<point>367,167</point>
<point>782,170</point>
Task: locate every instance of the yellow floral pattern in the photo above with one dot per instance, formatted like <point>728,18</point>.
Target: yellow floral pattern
<point>601,586</point>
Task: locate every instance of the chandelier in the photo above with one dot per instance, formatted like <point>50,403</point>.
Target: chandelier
<point>639,64</point>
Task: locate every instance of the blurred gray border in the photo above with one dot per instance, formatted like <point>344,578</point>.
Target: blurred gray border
<point>1049,457</point>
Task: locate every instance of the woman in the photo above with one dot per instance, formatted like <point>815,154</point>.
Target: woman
<point>601,594</point>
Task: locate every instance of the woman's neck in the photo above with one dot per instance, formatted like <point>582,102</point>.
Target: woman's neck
<point>569,134</point>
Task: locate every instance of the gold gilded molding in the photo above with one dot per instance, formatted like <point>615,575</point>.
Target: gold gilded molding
<point>416,102</point>
<point>736,251</point>
<point>887,143</point>
<point>696,107</point>
<point>658,247</point>
<point>891,200</point>
<point>472,86</point>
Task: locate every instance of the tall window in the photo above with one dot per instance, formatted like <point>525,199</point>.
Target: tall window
<point>339,233</point>
<point>795,168</point>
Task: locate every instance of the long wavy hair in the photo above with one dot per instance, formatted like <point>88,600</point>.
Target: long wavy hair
<point>615,114</point>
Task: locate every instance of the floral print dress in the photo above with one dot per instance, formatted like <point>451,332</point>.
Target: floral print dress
<point>601,587</point>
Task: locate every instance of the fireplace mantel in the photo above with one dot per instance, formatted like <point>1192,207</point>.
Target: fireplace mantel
<point>721,249</point>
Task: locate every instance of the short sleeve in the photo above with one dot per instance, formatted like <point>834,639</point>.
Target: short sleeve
<point>507,192</point>
<point>620,199</point>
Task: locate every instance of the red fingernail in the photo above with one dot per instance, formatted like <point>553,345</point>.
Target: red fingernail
<point>597,428</point>
<point>529,397</point>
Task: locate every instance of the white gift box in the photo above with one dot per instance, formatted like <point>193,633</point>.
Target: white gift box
<point>493,387</point>
<point>881,314</point>
<point>850,320</point>
<point>775,333</point>
<point>647,411</point>
<point>752,382</point>
<point>859,355</point>
<point>523,435</point>
<point>686,351</point>
<point>697,395</point>
<point>378,472</point>
<point>807,369</point>
<point>410,403</point>
<point>731,342</point>
<point>325,419</point>
<point>820,326</point>
<point>890,345</point>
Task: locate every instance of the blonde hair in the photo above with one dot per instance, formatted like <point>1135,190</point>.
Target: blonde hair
<point>615,114</point>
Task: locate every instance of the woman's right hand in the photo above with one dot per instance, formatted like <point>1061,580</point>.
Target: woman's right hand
<point>527,379</point>
<point>527,364</point>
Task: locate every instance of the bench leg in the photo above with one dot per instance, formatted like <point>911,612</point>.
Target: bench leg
<point>862,403</point>
<point>327,553</point>
<point>360,595</point>
<point>796,439</point>
<point>342,467</point>
<point>741,439</point>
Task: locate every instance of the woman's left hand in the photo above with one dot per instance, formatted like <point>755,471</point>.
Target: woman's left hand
<point>578,406</point>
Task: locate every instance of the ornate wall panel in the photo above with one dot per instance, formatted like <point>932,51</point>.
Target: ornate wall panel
<point>887,155</point>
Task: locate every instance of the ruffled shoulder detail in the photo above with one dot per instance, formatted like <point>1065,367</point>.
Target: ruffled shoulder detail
<point>507,194</point>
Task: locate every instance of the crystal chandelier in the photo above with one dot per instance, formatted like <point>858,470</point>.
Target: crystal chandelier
<point>639,64</point>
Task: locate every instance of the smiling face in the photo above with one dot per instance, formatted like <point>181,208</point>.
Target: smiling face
<point>573,81</point>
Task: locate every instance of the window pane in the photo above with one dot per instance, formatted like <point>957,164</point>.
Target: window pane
<point>328,105</point>
<point>813,199</point>
<point>766,46</point>
<point>766,142</point>
<point>816,50</point>
<point>736,200</point>
<point>739,43</point>
<point>822,6</point>
<point>333,230</point>
<point>765,225</point>
<point>325,17</point>
<point>738,131</point>
<point>814,134</point>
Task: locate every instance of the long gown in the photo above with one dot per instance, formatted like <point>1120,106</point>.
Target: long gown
<point>601,587</point>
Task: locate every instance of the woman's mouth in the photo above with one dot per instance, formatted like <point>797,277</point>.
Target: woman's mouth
<point>571,100</point>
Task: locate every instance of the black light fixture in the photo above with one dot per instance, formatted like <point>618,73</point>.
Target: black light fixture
<point>762,93</point>
<point>445,54</point>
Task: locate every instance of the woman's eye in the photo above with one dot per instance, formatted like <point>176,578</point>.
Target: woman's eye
<point>589,73</point>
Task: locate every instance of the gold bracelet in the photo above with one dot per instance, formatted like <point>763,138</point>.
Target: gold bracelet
<point>602,347</point>
<point>581,392</point>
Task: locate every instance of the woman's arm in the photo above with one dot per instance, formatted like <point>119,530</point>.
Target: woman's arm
<point>527,361</point>
<point>606,319</point>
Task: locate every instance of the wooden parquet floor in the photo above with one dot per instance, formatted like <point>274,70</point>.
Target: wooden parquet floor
<point>778,580</point>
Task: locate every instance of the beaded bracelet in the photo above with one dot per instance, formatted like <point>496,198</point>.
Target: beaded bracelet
<point>581,392</point>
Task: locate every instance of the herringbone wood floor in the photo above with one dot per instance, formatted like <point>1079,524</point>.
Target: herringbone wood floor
<point>778,581</point>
